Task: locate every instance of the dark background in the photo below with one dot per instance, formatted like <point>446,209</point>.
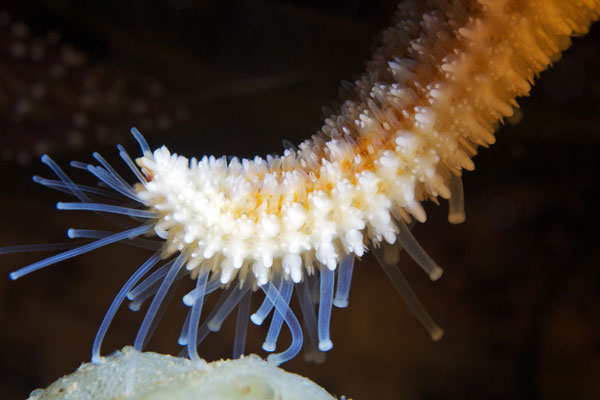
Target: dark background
<point>520,295</point>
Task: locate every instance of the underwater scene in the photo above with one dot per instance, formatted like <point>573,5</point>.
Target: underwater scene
<point>518,298</point>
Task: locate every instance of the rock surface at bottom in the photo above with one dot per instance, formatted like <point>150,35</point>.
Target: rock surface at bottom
<point>129,375</point>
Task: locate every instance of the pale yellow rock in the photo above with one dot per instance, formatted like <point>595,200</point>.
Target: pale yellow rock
<point>132,375</point>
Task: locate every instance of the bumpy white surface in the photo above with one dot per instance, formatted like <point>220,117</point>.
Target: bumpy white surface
<point>130,375</point>
<point>433,92</point>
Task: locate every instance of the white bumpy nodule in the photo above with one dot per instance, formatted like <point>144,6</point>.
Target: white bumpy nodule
<point>433,92</point>
<point>131,375</point>
<point>442,78</point>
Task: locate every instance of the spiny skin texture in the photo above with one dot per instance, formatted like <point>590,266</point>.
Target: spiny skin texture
<point>443,77</point>
<point>434,91</point>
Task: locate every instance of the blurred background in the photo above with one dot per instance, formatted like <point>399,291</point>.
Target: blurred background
<point>520,294</point>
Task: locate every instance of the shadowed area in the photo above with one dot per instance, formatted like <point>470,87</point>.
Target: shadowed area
<point>517,300</point>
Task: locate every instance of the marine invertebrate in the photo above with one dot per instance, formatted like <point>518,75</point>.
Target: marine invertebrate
<point>432,94</point>
<point>54,96</point>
